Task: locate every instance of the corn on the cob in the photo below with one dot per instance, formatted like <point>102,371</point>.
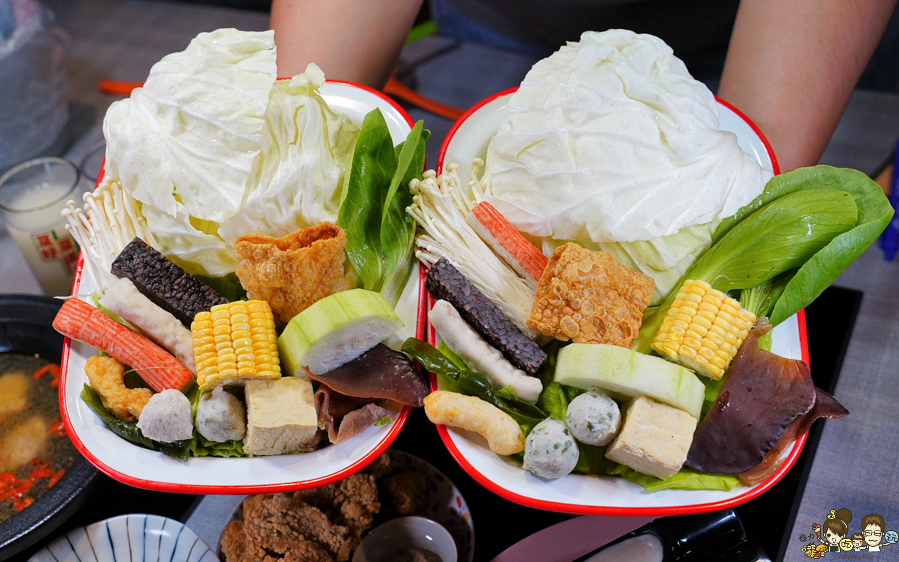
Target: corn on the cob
<point>703,329</point>
<point>235,342</point>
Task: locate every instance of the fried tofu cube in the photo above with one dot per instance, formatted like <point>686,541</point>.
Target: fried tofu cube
<point>588,297</point>
<point>280,416</point>
<point>654,439</point>
<point>293,272</point>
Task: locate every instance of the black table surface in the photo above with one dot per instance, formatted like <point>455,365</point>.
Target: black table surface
<point>500,523</point>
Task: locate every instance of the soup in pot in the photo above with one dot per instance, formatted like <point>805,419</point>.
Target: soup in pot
<point>34,449</point>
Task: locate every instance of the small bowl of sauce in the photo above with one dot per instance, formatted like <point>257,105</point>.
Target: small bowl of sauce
<point>407,539</point>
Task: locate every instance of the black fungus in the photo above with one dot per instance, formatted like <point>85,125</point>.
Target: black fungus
<point>380,372</point>
<point>163,282</point>
<point>445,282</point>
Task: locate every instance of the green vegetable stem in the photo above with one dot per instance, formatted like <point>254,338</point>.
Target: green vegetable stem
<point>457,378</point>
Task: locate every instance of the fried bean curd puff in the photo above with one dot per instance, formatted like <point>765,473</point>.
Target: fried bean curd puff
<point>550,450</point>
<point>588,297</point>
<point>23,442</point>
<point>107,377</point>
<point>502,433</point>
<point>593,418</point>
<point>293,272</point>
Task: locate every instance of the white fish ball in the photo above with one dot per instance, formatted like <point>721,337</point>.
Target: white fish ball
<point>593,418</point>
<point>221,417</point>
<point>550,450</point>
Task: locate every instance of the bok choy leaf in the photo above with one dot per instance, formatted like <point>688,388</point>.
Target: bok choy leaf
<point>782,245</point>
<point>380,234</point>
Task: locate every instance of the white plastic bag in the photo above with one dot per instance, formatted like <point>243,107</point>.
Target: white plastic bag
<point>33,103</point>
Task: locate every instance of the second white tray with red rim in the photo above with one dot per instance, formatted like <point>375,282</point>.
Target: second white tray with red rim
<point>598,495</point>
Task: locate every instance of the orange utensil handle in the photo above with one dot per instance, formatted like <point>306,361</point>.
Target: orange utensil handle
<point>396,88</point>
<point>118,87</point>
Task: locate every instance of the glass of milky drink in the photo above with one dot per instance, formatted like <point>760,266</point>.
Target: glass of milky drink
<point>32,195</point>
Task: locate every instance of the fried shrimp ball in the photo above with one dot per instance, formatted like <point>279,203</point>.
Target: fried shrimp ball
<point>502,433</point>
<point>550,450</point>
<point>107,377</point>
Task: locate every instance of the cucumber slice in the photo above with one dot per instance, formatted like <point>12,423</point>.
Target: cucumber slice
<point>625,374</point>
<point>336,330</point>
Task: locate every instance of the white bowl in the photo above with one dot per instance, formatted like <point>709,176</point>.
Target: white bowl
<point>412,531</point>
<point>126,538</point>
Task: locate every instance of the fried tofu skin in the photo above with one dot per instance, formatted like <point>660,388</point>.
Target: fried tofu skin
<point>588,297</point>
<point>292,272</point>
<point>502,433</point>
<point>107,377</point>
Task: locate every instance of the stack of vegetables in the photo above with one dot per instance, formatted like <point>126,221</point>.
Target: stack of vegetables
<point>244,316</point>
<point>661,395</point>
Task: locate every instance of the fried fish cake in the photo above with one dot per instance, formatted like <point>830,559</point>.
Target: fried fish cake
<point>588,297</point>
<point>503,434</point>
<point>107,377</point>
<point>293,272</point>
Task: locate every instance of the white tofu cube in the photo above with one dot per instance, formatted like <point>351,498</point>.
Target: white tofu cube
<point>280,416</point>
<point>654,439</point>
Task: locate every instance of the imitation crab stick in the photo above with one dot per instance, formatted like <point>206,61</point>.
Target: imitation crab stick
<point>82,322</point>
<point>507,242</point>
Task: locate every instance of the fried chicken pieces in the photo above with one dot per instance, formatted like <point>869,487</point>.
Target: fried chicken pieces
<point>319,525</point>
<point>322,524</point>
<point>293,272</point>
<point>588,297</point>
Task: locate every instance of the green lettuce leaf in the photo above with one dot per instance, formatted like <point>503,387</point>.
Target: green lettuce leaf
<point>202,447</point>
<point>228,286</point>
<point>553,401</point>
<point>685,479</point>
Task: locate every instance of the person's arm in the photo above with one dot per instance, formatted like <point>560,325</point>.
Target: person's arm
<point>792,65</point>
<point>353,40</point>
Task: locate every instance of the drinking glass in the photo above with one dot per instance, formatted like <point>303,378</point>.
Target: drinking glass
<point>32,195</point>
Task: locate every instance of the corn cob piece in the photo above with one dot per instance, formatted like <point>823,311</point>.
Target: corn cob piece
<point>703,329</point>
<point>235,342</point>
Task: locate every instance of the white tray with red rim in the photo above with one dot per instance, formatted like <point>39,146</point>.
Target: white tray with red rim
<point>151,470</point>
<point>598,495</point>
